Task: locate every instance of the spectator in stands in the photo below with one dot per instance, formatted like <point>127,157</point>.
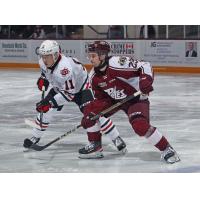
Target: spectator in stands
<point>27,32</point>
<point>77,34</point>
<point>190,52</point>
<point>116,32</point>
<point>4,33</point>
<point>16,31</point>
<point>38,33</point>
<point>151,32</point>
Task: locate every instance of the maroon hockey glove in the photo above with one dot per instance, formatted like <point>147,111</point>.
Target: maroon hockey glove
<point>42,81</point>
<point>43,106</point>
<point>145,83</point>
<point>86,121</point>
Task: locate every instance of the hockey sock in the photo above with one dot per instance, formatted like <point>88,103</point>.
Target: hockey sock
<point>109,129</point>
<point>158,140</point>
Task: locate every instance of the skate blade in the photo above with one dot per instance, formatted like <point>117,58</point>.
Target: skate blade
<point>95,155</point>
<point>123,151</point>
<point>25,150</point>
<point>114,148</point>
<point>173,159</point>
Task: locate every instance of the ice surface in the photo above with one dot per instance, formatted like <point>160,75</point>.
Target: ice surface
<point>175,105</point>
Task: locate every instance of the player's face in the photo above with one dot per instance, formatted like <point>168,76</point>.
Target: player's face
<point>48,60</point>
<point>94,59</point>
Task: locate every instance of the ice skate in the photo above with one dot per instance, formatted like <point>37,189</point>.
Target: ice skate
<point>29,142</point>
<point>92,150</point>
<point>120,144</point>
<point>169,155</point>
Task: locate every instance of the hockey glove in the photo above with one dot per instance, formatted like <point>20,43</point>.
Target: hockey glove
<point>145,83</point>
<point>43,106</point>
<point>42,81</point>
<point>86,121</point>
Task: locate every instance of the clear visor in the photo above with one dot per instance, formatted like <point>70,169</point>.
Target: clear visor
<point>44,55</point>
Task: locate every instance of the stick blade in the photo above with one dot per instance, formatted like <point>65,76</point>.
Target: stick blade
<point>37,147</point>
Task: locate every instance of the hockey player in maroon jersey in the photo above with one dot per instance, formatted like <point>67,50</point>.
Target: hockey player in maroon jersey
<point>116,77</point>
<point>69,82</point>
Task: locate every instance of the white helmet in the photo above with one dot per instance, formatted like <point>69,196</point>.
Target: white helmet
<point>49,47</point>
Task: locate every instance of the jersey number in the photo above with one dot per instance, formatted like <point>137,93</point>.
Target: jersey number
<point>69,84</point>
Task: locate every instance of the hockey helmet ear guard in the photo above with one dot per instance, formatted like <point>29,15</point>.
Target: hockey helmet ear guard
<point>99,47</point>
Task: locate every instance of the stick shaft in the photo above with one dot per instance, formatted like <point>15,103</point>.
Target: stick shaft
<point>42,98</point>
<point>40,148</point>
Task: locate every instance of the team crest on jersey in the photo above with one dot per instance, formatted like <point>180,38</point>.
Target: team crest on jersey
<point>64,71</point>
<point>122,60</point>
<point>116,94</point>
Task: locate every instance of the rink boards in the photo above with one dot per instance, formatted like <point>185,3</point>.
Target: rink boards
<point>164,55</point>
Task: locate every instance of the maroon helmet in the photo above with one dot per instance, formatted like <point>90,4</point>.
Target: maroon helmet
<point>99,47</point>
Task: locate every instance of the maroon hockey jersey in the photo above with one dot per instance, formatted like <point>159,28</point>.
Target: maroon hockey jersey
<point>120,79</point>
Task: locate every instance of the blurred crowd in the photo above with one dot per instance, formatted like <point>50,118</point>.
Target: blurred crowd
<point>79,32</point>
<point>41,32</point>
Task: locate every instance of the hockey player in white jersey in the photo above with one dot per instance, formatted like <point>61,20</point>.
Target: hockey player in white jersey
<point>70,83</point>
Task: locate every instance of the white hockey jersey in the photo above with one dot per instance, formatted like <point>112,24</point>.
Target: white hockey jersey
<point>68,78</point>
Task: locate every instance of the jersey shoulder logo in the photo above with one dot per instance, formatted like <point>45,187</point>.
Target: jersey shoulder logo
<point>64,71</point>
<point>122,60</point>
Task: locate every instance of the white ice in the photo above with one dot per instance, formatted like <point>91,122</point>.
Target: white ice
<point>175,105</point>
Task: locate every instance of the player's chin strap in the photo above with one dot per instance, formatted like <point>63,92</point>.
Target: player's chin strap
<point>102,66</point>
<point>96,117</point>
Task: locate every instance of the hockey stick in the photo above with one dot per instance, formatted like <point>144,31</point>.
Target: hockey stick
<point>42,98</point>
<point>106,111</point>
